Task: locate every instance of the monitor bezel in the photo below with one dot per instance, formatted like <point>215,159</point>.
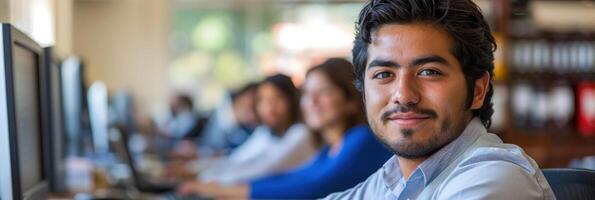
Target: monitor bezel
<point>12,37</point>
<point>7,191</point>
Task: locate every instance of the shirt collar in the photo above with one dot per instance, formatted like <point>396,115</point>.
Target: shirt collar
<point>431,167</point>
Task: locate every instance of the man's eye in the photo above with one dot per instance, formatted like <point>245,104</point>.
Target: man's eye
<point>382,75</point>
<point>429,72</point>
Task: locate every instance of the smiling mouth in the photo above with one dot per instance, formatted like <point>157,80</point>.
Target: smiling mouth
<point>408,119</point>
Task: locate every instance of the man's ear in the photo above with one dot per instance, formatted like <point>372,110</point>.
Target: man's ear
<point>481,89</point>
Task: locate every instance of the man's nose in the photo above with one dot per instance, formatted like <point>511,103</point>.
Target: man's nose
<point>405,90</point>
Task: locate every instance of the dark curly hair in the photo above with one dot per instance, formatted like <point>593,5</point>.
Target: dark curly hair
<point>473,46</point>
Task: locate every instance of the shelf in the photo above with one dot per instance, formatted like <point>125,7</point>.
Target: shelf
<point>551,147</point>
<point>550,76</point>
<point>555,36</point>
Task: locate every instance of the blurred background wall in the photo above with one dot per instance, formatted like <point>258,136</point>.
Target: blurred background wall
<point>124,44</point>
<point>4,10</point>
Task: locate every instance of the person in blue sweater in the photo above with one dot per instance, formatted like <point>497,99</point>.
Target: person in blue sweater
<point>332,107</point>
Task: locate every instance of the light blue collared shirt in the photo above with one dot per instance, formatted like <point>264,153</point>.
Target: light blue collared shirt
<point>492,170</point>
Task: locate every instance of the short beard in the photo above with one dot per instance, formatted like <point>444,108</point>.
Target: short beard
<point>413,150</point>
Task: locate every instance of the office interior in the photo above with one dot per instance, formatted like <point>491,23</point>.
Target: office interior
<point>87,85</point>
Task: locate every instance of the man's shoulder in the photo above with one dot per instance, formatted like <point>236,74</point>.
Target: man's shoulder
<point>495,161</point>
<point>504,153</point>
<point>493,179</point>
<point>500,172</point>
<point>490,149</point>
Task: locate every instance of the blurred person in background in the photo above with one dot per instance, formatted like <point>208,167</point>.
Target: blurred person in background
<point>181,120</point>
<point>172,128</point>
<point>244,110</point>
<point>221,135</point>
<point>279,144</point>
<point>332,107</point>
<point>232,123</point>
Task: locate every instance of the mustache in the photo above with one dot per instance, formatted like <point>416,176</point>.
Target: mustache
<point>408,108</point>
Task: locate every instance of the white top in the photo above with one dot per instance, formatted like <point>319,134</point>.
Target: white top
<point>263,154</point>
<point>176,126</point>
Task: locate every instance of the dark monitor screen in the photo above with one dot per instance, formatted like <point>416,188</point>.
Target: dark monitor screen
<point>26,94</point>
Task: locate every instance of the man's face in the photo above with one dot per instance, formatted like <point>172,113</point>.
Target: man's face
<point>415,89</point>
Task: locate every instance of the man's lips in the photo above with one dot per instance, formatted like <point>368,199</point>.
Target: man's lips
<point>408,119</point>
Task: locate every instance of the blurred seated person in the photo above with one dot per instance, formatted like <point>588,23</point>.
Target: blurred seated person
<point>232,122</point>
<point>279,144</point>
<point>223,132</point>
<point>333,108</point>
<point>181,119</point>
<point>244,110</point>
<point>173,127</point>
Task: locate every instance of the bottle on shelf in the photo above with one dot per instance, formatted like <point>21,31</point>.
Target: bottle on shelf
<point>586,108</point>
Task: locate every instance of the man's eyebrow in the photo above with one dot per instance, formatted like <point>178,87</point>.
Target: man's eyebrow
<point>429,59</point>
<point>382,63</point>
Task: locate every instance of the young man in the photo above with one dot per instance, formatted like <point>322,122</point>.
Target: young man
<point>425,68</point>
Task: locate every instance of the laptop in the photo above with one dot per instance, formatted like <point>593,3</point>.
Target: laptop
<point>139,181</point>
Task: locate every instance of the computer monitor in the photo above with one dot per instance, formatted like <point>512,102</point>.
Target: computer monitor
<point>53,115</point>
<point>21,133</point>
<point>99,117</point>
<point>73,99</point>
<point>122,105</point>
